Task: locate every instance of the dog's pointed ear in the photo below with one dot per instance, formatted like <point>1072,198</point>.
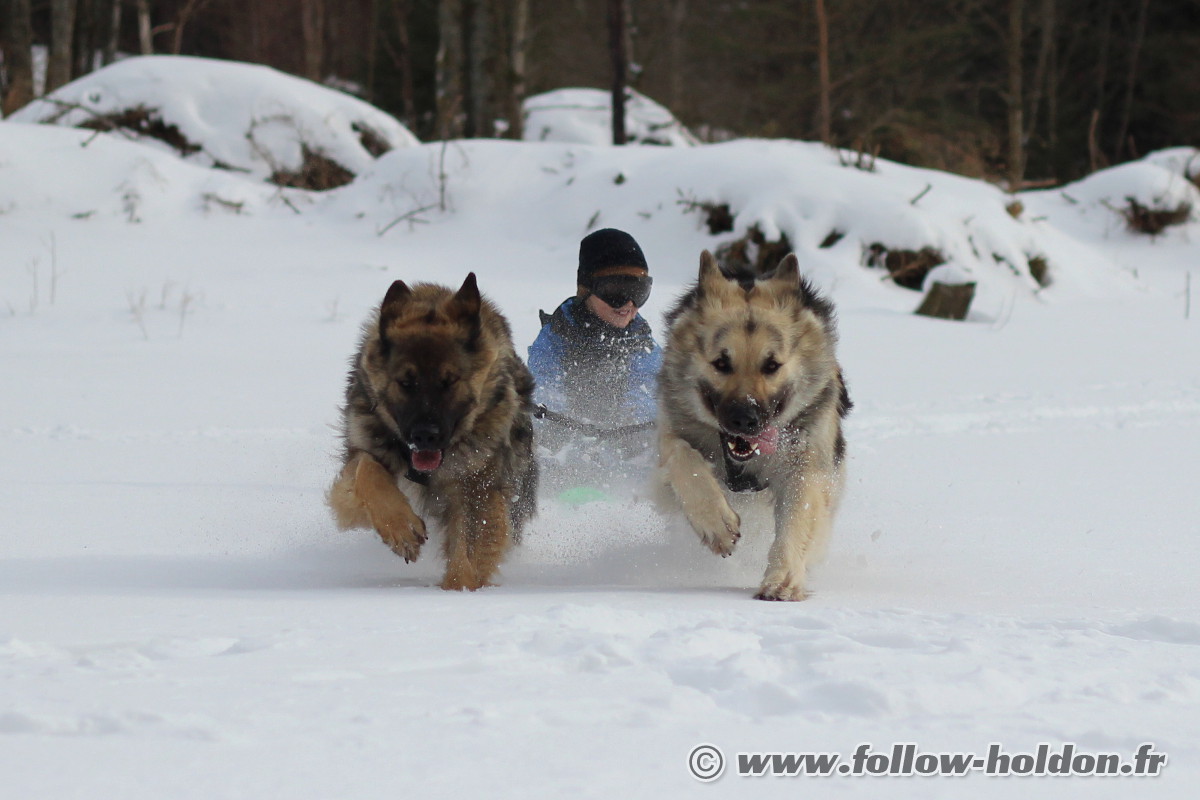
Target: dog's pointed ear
<point>467,298</point>
<point>397,294</point>
<point>465,305</point>
<point>393,303</point>
<point>711,277</point>
<point>788,270</point>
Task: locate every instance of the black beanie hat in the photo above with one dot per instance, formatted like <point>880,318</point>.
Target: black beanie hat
<point>607,247</point>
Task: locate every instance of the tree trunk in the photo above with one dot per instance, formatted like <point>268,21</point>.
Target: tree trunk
<point>518,47</point>
<point>449,86</point>
<point>408,96</point>
<point>1016,127</point>
<point>312,26</point>
<point>145,36</point>
<point>947,301</point>
<point>372,51</point>
<point>616,44</point>
<point>1041,73</point>
<point>825,115</point>
<point>478,90</point>
<point>1095,155</point>
<point>256,25</point>
<point>17,41</point>
<point>676,53</point>
<point>633,69</point>
<point>1139,36</point>
<point>1096,159</point>
<point>62,32</point>
<point>113,32</point>
<point>189,10</point>
<point>87,37</point>
<point>1052,82</point>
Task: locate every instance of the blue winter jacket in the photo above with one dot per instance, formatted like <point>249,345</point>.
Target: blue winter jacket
<point>592,371</point>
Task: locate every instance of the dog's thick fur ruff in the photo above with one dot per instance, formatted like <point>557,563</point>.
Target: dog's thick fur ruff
<point>437,413</point>
<point>751,397</point>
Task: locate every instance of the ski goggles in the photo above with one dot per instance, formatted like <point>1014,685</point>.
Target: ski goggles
<point>617,290</point>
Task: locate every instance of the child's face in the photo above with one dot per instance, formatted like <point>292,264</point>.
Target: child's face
<point>617,317</point>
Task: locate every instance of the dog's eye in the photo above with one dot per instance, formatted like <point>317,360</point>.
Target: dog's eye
<point>449,380</point>
<point>721,364</point>
<point>407,383</point>
<point>770,366</point>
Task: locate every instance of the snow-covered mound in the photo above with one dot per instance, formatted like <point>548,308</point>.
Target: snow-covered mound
<point>103,177</point>
<point>1100,205</point>
<point>584,116</point>
<point>241,117</point>
<point>873,235</point>
<point>844,222</point>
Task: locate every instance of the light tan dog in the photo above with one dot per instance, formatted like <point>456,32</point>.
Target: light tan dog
<point>751,398</point>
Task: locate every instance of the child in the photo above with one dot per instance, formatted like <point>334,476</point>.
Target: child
<point>595,359</point>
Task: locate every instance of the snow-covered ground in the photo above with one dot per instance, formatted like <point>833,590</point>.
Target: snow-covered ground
<point>1014,562</point>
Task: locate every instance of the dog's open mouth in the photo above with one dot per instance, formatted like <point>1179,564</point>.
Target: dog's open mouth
<point>744,448</point>
<point>426,460</point>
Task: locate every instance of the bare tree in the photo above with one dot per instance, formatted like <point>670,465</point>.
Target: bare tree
<point>478,18</point>
<point>1095,154</point>
<point>373,48</point>
<point>113,37</point>
<point>87,37</point>
<point>1015,97</point>
<point>189,10</point>
<point>312,26</point>
<point>145,30</point>
<point>1139,36</point>
<point>676,52</point>
<point>1052,82</point>
<point>449,84</point>
<point>62,32</point>
<point>1043,76</point>
<point>1096,159</point>
<point>402,58</point>
<point>616,44</point>
<point>825,117</point>
<point>633,67</point>
<point>515,58</point>
<point>16,38</point>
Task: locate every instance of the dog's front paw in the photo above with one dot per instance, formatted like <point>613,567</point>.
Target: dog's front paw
<point>719,530</point>
<point>405,535</point>
<point>781,588</point>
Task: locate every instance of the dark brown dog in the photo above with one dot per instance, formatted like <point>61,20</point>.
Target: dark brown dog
<point>437,415</point>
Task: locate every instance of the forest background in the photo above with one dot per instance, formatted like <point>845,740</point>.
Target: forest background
<point>1023,92</point>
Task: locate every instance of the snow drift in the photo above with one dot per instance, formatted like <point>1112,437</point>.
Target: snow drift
<point>584,116</point>
<point>240,117</point>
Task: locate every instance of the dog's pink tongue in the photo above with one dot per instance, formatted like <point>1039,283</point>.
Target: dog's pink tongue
<point>767,441</point>
<point>426,460</point>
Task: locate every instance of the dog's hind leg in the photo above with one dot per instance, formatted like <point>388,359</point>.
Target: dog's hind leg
<point>477,538</point>
<point>365,495</point>
<point>698,492</point>
<point>802,522</point>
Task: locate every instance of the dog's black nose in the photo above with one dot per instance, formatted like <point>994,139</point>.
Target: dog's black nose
<point>742,418</point>
<point>425,436</point>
